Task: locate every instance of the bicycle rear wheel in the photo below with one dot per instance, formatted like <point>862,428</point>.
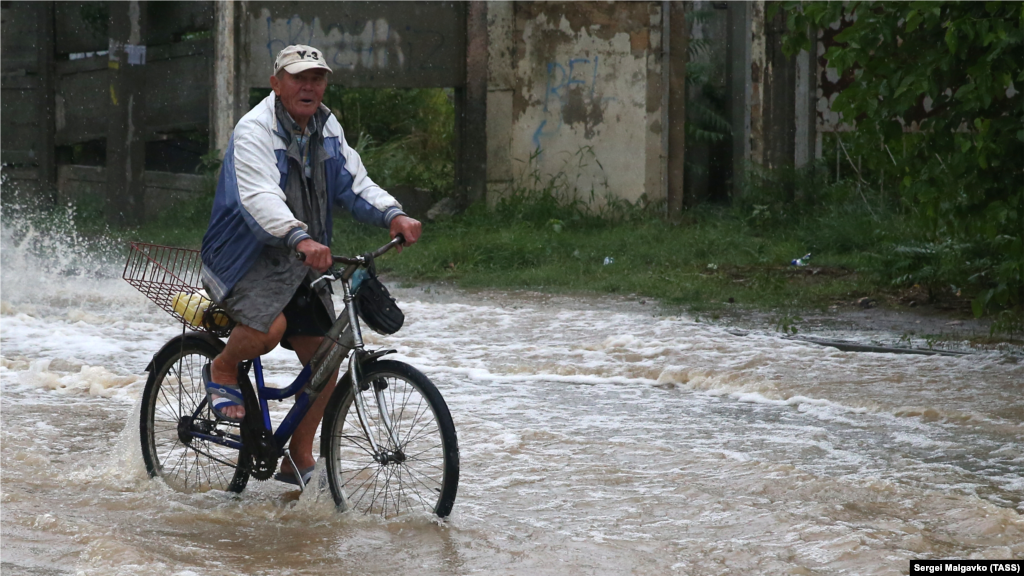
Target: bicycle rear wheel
<point>171,414</point>
<point>415,468</point>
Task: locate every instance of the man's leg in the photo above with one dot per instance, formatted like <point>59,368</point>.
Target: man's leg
<point>245,343</point>
<point>301,445</point>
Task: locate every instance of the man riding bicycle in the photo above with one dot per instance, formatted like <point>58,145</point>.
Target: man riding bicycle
<point>286,167</point>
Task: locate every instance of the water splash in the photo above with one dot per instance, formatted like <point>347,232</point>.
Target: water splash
<point>46,261</point>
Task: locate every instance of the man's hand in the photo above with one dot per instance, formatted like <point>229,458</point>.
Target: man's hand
<point>408,228</point>
<point>318,256</point>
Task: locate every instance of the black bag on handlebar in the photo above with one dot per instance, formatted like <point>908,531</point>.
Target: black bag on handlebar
<point>374,303</point>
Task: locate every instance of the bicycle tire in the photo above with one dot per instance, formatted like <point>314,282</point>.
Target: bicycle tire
<point>426,476</point>
<point>174,389</point>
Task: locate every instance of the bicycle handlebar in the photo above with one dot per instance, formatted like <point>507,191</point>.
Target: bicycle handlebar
<point>398,239</point>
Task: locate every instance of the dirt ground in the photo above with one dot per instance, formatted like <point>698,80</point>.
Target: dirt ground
<point>903,318</point>
<point>890,323</point>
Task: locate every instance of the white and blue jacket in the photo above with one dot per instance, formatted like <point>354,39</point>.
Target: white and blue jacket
<point>250,209</point>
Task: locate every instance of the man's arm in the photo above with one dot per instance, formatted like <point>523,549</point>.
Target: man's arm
<point>259,191</point>
<point>350,185</point>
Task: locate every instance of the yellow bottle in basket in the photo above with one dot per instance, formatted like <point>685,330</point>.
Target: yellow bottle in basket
<point>191,307</point>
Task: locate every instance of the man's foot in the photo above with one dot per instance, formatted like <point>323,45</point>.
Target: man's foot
<point>288,476</point>
<point>225,399</point>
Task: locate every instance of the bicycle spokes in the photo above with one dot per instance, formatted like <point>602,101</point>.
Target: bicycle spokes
<point>388,455</point>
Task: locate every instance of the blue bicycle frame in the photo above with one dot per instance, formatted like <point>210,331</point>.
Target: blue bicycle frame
<point>265,393</point>
<point>337,345</point>
<point>343,337</point>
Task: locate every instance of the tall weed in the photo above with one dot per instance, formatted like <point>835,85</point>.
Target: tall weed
<point>404,136</point>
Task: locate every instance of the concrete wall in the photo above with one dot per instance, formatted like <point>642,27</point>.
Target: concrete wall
<point>163,190</point>
<point>576,88</point>
<point>587,94</point>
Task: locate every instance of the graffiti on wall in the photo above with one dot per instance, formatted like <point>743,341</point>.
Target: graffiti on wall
<point>378,45</point>
<point>571,96</point>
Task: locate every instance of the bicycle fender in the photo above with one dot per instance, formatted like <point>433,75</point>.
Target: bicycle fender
<point>177,342</point>
<point>367,357</point>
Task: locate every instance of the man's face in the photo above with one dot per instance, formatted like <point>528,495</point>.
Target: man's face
<point>300,93</point>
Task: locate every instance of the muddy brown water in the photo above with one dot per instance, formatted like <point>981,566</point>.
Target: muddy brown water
<point>597,437</point>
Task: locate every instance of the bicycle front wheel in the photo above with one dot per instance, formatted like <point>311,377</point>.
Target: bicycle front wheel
<point>416,464</point>
<point>174,411</point>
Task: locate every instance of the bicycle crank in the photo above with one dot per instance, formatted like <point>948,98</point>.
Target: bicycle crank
<point>258,441</point>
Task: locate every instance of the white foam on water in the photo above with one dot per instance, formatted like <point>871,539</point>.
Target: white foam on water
<point>92,380</point>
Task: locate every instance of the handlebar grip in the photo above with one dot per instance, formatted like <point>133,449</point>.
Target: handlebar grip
<point>300,256</point>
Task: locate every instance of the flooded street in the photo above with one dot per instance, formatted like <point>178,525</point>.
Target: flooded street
<point>597,437</point>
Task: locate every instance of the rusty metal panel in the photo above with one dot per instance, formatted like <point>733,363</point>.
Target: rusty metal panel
<point>19,101</point>
<point>372,44</point>
<point>82,26</point>
<point>177,92</point>
<point>20,135</point>
<point>81,103</point>
<point>20,88</point>
<point>20,82</point>
<point>14,138</point>
<point>18,40</point>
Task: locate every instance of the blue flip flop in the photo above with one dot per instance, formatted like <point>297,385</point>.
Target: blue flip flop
<point>228,395</point>
<point>290,478</point>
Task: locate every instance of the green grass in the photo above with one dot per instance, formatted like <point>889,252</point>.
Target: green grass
<point>714,259</point>
<point>699,264</point>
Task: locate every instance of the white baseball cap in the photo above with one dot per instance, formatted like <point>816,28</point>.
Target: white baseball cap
<point>299,57</point>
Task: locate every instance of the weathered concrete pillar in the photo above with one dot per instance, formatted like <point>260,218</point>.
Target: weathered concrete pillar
<point>806,89</point>
<point>757,73</point>
<point>779,81</point>
<point>126,144</point>
<point>223,93</point>
<point>471,109</point>
<point>242,58</point>
<point>500,80</point>
<point>678,40</point>
<point>738,71</point>
<point>772,97</point>
<point>45,155</point>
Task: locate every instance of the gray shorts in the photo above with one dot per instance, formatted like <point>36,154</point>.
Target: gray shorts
<point>262,294</point>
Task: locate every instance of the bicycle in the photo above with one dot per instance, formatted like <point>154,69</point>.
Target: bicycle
<point>387,438</point>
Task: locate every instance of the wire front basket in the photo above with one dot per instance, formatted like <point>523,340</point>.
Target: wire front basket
<point>170,277</point>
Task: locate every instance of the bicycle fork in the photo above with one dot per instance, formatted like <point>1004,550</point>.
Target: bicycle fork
<point>353,372</point>
<point>363,413</point>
